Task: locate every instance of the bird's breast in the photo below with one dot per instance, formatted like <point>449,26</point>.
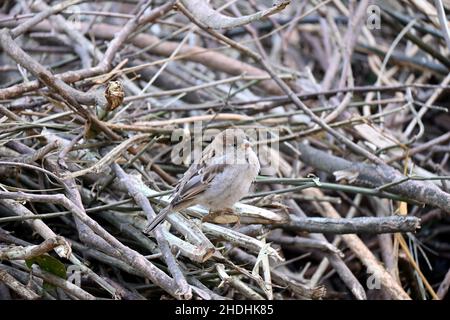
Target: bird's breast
<point>228,187</point>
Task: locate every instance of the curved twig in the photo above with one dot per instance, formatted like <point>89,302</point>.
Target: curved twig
<point>215,20</point>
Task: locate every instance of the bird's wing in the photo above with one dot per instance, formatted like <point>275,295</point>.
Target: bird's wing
<point>193,170</point>
<point>196,183</point>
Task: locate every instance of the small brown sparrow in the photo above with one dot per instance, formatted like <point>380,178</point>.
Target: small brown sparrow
<point>223,175</point>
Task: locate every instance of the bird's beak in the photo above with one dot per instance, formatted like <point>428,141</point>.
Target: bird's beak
<point>246,144</point>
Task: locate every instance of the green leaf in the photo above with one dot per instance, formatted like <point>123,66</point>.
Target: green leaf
<point>50,264</point>
<point>48,287</point>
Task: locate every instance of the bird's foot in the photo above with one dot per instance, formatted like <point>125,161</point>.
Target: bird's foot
<point>223,216</point>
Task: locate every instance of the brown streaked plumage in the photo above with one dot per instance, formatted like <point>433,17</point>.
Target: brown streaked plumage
<point>223,175</point>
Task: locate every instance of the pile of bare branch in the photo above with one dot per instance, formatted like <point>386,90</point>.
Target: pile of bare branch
<point>352,99</point>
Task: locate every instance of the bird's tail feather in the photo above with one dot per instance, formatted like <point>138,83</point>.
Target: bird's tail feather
<point>159,218</point>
